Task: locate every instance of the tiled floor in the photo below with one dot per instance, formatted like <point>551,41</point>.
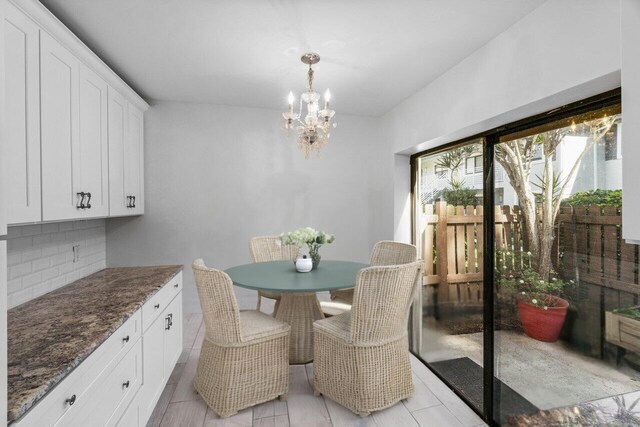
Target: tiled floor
<point>433,403</point>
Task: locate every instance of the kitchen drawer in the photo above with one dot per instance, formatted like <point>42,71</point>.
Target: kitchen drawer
<point>54,406</point>
<point>110,395</point>
<point>158,302</point>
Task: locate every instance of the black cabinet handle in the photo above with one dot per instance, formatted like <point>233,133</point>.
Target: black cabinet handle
<point>125,339</point>
<point>134,201</point>
<point>125,384</point>
<point>82,195</point>
<point>130,201</point>
<point>88,201</point>
<point>169,320</point>
<point>177,285</point>
<point>156,306</point>
<point>71,400</point>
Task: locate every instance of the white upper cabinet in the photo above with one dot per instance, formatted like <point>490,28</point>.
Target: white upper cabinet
<point>93,144</point>
<point>59,81</point>
<point>74,139</point>
<point>126,144</point>
<point>74,136</point>
<point>22,119</point>
<point>134,160</point>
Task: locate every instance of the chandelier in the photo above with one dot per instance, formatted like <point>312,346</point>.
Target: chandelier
<point>312,132</point>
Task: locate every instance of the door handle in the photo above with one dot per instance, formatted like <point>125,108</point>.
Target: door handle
<point>134,201</point>
<point>88,201</point>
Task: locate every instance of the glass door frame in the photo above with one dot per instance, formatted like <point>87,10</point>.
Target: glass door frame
<point>490,139</point>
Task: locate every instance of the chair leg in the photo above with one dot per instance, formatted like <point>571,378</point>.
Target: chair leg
<point>275,307</point>
<point>259,302</point>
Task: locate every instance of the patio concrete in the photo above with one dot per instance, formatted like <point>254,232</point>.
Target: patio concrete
<point>549,375</point>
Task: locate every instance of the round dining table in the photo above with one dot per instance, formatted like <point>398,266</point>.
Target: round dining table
<point>299,306</point>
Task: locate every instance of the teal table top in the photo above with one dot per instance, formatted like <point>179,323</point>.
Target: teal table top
<point>281,276</point>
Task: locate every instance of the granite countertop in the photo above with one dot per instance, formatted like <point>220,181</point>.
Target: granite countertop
<point>51,335</point>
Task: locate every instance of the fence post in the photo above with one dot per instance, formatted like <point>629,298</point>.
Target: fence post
<point>441,252</point>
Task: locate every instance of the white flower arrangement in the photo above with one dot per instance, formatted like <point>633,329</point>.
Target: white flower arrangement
<point>307,236</point>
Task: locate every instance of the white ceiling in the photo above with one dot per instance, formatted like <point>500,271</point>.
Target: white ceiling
<point>246,52</point>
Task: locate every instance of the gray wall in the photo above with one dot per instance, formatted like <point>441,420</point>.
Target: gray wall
<point>215,176</point>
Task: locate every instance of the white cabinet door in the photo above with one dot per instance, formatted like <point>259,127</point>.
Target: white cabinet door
<point>59,71</point>
<point>22,119</point>
<point>172,334</point>
<point>118,114</point>
<point>153,379</point>
<point>94,160</point>
<point>134,160</point>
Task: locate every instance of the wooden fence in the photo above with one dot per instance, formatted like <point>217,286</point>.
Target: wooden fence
<point>588,248</point>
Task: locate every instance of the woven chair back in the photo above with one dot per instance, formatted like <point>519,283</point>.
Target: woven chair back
<point>269,248</point>
<point>381,302</point>
<point>388,252</point>
<point>218,303</point>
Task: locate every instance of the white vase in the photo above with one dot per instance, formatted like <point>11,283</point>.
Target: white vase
<point>304,264</point>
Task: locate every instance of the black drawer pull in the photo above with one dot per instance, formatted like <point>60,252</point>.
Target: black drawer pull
<point>176,285</point>
<point>125,339</point>
<point>128,201</point>
<point>134,201</point>
<point>71,400</point>
<point>125,384</point>
<point>169,320</point>
<point>156,306</point>
<point>88,201</point>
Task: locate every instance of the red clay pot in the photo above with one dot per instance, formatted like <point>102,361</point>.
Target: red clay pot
<point>540,324</point>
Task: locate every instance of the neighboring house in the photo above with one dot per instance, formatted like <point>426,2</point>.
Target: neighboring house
<point>601,168</point>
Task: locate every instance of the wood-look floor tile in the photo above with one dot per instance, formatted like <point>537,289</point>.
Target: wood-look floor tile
<point>397,415</point>
<point>176,374</point>
<point>161,406</point>
<point>185,414</point>
<point>184,387</point>
<point>304,407</point>
<point>436,416</point>
<point>264,410</point>
<point>241,419</point>
<point>422,397</point>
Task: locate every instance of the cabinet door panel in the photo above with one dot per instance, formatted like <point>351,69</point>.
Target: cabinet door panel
<point>117,137</point>
<point>173,334</point>
<point>134,167</point>
<point>94,164</point>
<point>152,367</point>
<point>59,131</point>
<point>22,120</point>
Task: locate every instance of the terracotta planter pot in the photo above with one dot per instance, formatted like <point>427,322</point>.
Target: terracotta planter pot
<point>541,324</point>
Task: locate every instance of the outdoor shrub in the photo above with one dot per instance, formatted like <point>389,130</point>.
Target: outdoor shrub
<point>595,197</point>
<point>462,196</point>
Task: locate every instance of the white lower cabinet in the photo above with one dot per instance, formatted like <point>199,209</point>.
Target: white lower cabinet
<point>121,381</point>
<point>161,348</point>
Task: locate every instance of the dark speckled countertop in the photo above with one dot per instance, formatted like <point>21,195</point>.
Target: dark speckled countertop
<point>51,335</point>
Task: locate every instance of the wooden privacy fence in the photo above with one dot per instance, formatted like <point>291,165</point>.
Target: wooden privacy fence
<point>588,248</point>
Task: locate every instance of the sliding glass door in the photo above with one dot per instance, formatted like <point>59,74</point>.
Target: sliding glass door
<point>530,297</point>
<point>448,224</point>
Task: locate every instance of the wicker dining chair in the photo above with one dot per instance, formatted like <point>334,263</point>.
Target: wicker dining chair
<point>244,358</point>
<point>385,252</point>
<point>361,357</point>
<point>269,248</point>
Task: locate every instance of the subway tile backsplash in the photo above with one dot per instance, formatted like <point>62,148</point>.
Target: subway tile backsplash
<point>44,257</point>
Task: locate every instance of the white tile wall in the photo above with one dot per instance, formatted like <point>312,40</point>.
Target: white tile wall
<point>40,257</point>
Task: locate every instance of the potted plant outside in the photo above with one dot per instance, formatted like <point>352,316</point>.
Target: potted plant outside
<point>541,308</point>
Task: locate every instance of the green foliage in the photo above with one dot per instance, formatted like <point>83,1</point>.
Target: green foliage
<point>458,194</point>
<point>526,283</point>
<point>632,312</point>
<point>595,197</point>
